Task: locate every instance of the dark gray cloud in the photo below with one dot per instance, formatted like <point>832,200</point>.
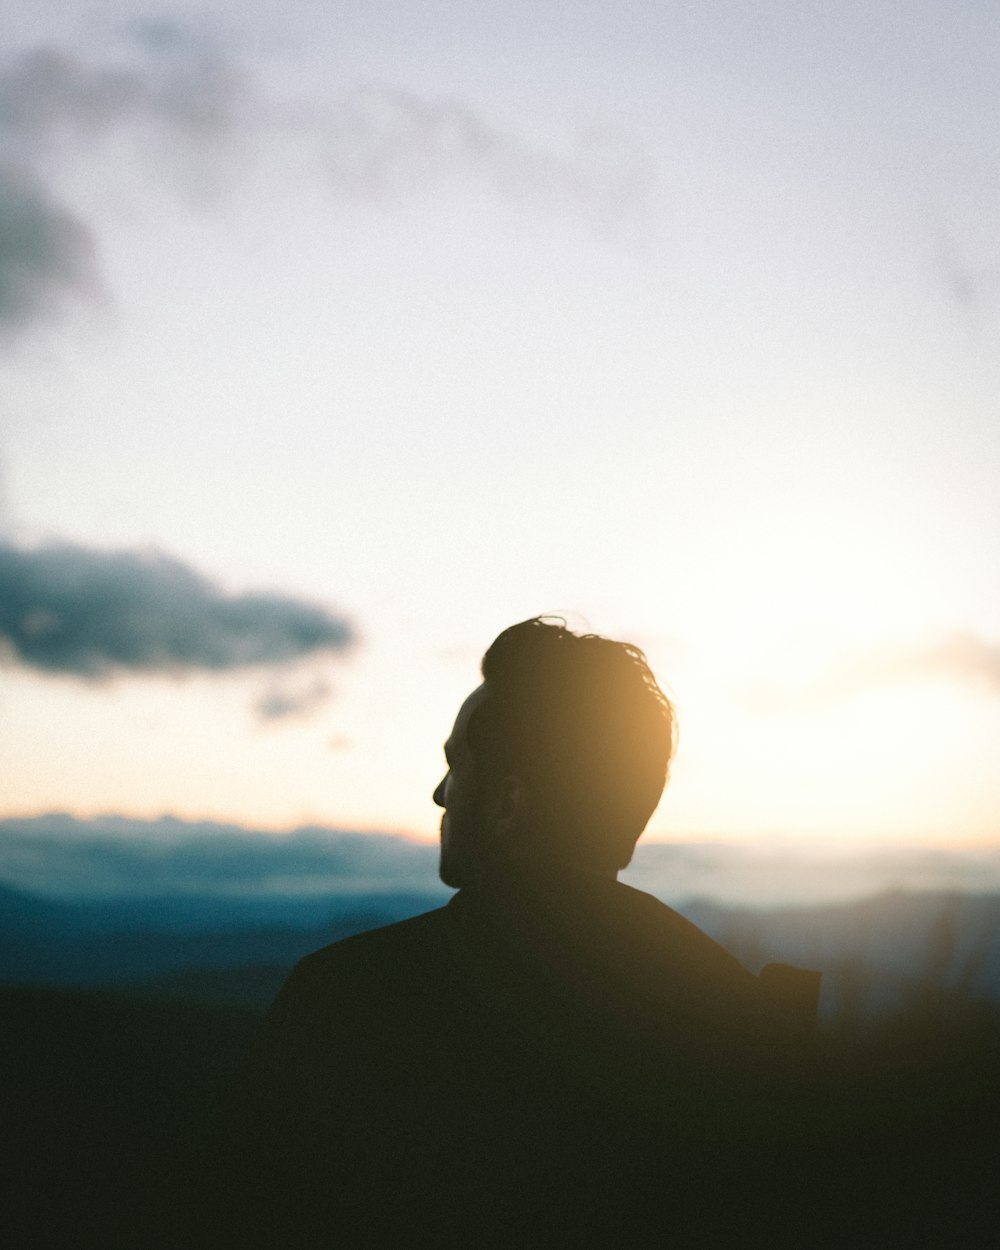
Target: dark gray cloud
<point>46,254</point>
<point>65,608</point>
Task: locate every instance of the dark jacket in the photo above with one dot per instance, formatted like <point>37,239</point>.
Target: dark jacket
<point>548,1060</point>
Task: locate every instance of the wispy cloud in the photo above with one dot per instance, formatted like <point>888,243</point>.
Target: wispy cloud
<point>114,855</point>
<point>966,283</point>
<point>387,144</point>
<point>46,254</point>
<point>53,103</point>
<point>51,95</point>
<point>962,657</point>
<point>66,608</point>
<point>204,115</point>
<point>289,701</point>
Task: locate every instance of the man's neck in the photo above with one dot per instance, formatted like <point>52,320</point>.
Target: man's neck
<point>532,866</point>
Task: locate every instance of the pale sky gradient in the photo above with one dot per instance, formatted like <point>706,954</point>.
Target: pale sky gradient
<point>683,320</point>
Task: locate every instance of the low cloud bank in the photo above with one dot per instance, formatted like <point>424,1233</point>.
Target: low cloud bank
<point>66,608</point>
<point>61,856</point>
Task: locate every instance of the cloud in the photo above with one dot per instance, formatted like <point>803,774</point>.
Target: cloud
<point>46,253</point>
<point>115,855</point>
<point>51,100</point>
<point>961,657</point>
<point>370,141</point>
<point>49,95</point>
<point>52,104</point>
<point>967,284</point>
<point>65,608</point>
<point>964,658</point>
<point>201,118</point>
<point>388,144</point>
<point>286,701</point>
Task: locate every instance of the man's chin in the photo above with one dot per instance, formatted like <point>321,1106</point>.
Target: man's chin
<point>449,873</point>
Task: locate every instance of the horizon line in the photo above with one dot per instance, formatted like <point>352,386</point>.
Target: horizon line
<point>770,840</point>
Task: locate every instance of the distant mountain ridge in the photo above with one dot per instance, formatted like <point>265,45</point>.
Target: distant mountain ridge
<point>875,953</point>
<point>110,943</point>
<point>220,913</point>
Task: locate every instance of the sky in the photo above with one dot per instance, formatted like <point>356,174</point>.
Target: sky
<point>336,338</point>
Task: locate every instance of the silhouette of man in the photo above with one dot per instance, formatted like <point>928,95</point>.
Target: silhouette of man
<point>551,1059</point>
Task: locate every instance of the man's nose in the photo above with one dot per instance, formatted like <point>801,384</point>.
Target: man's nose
<point>439,792</point>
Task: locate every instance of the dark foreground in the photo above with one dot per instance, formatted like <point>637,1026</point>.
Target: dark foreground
<point>106,1095</point>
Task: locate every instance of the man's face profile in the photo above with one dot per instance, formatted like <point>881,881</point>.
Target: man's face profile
<point>465,825</point>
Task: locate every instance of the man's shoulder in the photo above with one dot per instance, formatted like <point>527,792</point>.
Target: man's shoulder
<point>675,940</point>
<point>371,975</point>
<point>388,949</point>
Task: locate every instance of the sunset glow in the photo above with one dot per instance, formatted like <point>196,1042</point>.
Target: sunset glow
<point>697,348</point>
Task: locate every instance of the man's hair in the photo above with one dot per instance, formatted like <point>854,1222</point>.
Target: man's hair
<point>582,720</point>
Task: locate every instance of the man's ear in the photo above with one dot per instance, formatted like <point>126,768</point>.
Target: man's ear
<point>512,802</point>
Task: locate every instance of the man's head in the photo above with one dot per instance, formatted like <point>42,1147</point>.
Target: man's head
<point>561,754</point>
